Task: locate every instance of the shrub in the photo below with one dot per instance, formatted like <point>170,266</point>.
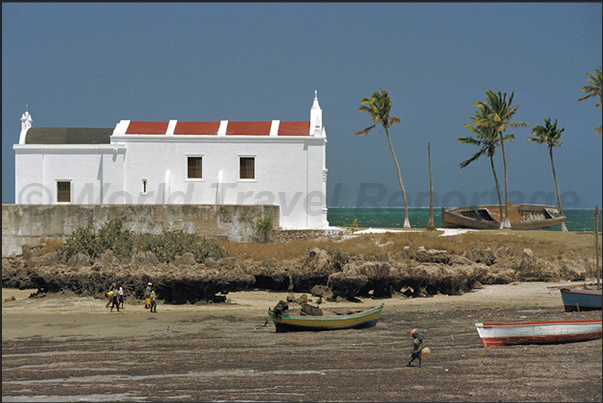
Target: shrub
<point>208,248</point>
<point>166,246</point>
<point>263,227</point>
<point>170,244</point>
<point>353,227</point>
<point>112,236</point>
<point>82,240</point>
<point>338,258</point>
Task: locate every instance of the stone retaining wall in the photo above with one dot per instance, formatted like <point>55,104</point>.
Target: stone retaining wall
<point>26,224</point>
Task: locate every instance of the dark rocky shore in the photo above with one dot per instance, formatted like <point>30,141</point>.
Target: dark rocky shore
<point>414,273</point>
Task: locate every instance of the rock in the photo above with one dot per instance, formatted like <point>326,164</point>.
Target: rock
<point>483,256</point>
<point>380,277</point>
<point>346,284</point>
<point>405,253</point>
<point>79,260</point>
<point>144,259</point>
<point>569,272</point>
<point>459,260</point>
<point>46,259</point>
<point>270,262</point>
<point>317,262</point>
<point>108,257</point>
<point>229,263</point>
<point>186,259</point>
<point>533,269</point>
<point>432,256</point>
<point>321,291</point>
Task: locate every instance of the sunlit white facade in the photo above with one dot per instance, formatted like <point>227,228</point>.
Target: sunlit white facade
<point>222,162</point>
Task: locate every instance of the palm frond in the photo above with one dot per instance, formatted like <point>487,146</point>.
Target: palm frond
<point>473,158</point>
<point>365,131</point>
<point>469,140</point>
<point>595,89</point>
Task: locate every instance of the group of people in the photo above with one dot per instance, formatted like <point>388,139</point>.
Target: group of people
<point>150,298</point>
<point>116,298</point>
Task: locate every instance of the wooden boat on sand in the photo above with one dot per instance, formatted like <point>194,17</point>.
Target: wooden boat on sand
<point>522,217</point>
<point>548,332</point>
<point>312,318</point>
<point>575,299</point>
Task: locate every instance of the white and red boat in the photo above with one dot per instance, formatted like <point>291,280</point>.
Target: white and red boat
<point>547,332</point>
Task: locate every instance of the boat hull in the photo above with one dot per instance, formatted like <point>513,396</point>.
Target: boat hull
<point>522,217</point>
<point>365,319</point>
<point>581,300</point>
<point>551,332</point>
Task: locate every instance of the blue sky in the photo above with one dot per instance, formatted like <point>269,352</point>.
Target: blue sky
<point>93,64</point>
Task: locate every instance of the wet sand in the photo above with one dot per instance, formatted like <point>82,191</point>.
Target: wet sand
<point>61,348</point>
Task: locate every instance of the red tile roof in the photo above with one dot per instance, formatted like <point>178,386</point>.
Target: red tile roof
<point>294,129</point>
<point>248,128</point>
<point>197,128</point>
<point>147,128</point>
<point>211,128</point>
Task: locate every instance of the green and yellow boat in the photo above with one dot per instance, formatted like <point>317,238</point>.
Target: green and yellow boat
<point>312,318</point>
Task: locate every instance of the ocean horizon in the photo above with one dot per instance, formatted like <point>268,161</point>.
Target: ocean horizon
<point>577,219</point>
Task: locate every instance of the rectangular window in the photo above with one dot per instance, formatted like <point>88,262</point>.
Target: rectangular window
<point>247,167</point>
<point>63,192</point>
<point>195,167</point>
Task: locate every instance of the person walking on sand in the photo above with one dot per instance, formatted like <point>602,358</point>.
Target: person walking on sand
<point>120,292</point>
<point>147,296</point>
<point>115,298</point>
<point>153,301</point>
<point>112,291</point>
<point>417,346</point>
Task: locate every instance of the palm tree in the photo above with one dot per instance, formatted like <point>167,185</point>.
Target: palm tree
<point>487,139</point>
<point>549,135</point>
<point>497,112</point>
<point>594,90</point>
<point>378,106</point>
<point>430,224</point>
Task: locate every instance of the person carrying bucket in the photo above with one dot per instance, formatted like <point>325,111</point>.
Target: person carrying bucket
<point>417,349</point>
<point>112,291</point>
<point>147,296</point>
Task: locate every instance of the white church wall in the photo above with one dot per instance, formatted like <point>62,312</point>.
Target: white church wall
<point>281,173</point>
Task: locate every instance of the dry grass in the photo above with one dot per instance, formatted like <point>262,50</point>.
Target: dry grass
<point>52,244</point>
<point>544,244</point>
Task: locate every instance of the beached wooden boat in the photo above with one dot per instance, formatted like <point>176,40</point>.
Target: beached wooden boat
<point>548,332</point>
<point>311,318</point>
<point>575,299</point>
<point>522,217</point>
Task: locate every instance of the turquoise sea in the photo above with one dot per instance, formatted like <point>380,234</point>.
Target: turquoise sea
<point>576,219</point>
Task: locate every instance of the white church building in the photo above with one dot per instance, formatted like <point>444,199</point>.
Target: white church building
<point>173,162</point>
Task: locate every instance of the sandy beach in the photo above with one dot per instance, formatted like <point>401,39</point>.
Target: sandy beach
<point>69,348</point>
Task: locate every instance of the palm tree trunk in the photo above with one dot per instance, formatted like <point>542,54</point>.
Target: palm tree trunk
<point>563,227</point>
<point>406,221</point>
<point>430,225</point>
<point>507,223</point>
<point>500,211</point>
<point>597,269</point>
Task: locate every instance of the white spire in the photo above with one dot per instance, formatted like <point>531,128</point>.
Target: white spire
<point>25,125</point>
<point>315,117</point>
